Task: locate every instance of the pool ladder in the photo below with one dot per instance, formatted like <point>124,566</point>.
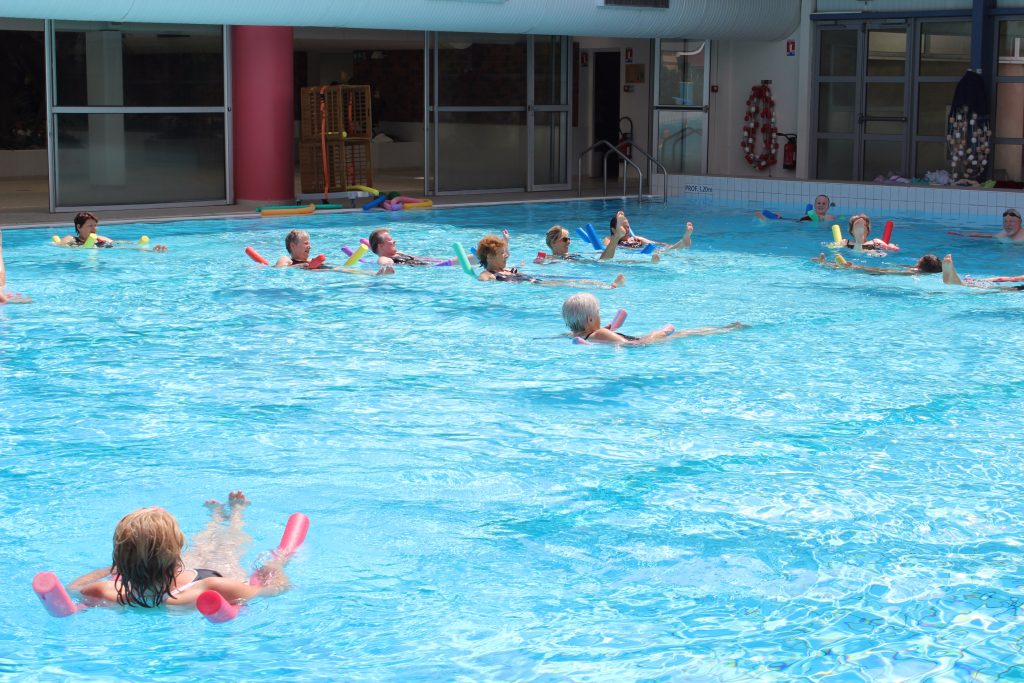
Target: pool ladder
<point>627,162</point>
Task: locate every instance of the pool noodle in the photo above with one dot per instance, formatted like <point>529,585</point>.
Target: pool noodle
<point>769,214</point>
<point>579,232</point>
<point>364,188</point>
<point>53,594</point>
<point>55,239</point>
<point>90,242</point>
<point>592,237</point>
<point>363,240</point>
<point>648,248</point>
<point>887,235</point>
<point>296,211</point>
<point>215,608</point>
<point>460,254</point>
<point>837,235</point>
<point>349,252</point>
<point>358,254</point>
<point>810,207</point>
<point>255,256</point>
<point>813,215</point>
<point>381,198</point>
<point>316,262</point>
<point>840,260</point>
<point>616,323</point>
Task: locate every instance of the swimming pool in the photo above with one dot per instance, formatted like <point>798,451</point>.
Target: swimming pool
<point>832,492</point>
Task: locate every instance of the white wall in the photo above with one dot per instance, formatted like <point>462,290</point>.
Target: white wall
<point>737,66</point>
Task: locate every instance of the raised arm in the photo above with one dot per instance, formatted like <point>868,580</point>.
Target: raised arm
<point>613,243</point>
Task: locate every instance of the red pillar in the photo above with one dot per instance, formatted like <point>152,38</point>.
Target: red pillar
<point>262,110</point>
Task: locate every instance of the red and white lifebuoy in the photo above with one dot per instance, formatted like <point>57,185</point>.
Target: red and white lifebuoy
<point>759,118</point>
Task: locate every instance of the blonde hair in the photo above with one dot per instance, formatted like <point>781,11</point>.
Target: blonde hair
<point>293,237</point>
<point>578,310</point>
<point>147,556</point>
<point>554,232</point>
<point>856,217</point>
<point>487,247</point>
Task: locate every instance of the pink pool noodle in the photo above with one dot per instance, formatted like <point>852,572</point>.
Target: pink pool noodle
<point>294,534</point>
<point>215,608</point>
<point>620,317</point>
<point>55,599</point>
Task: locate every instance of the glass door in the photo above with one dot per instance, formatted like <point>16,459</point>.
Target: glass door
<point>863,100</point>
<point>498,113</point>
<point>548,112</point>
<point>680,111</point>
<point>882,118</point>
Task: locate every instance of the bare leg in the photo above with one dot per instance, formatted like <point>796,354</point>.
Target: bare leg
<point>820,258</point>
<point>686,241</point>
<point>713,329</point>
<point>585,284</point>
<point>222,547</point>
<point>949,274</point>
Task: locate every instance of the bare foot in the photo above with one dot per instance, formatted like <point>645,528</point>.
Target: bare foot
<point>820,258</point>
<point>237,499</point>
<point>685,241</point>
<point>216,509</point>
<point>655,257</point>
<point>737,325</point>
<point>619,281</point>
<point>949,274</point>
<point>160,248</point>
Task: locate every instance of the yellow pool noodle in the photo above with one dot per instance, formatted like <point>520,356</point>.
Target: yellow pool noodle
<point>840,260</point>
<point>144,239</point>
<point>56,240</point>
<point>357,254</point>
<point>837,234</point>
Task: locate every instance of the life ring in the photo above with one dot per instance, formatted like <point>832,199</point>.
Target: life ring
<point>759,117</point>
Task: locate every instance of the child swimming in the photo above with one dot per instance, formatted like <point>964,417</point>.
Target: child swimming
<point>148,569</point>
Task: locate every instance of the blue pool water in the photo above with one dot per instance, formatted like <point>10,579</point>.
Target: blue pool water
<point>833,494</point>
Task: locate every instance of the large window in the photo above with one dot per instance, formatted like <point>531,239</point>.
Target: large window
<point>138,115</point>
<point>1008,161</point>
<point>680,116</point>
<point>883,94</point>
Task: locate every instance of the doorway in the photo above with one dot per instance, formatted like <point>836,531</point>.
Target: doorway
<point>606,105</point>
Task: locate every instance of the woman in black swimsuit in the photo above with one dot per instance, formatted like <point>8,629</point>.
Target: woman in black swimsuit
<point>148,569</point>
<point>492,252</point>
<point>582,314</point>
<point>619,227</point>
<point>383,245</point>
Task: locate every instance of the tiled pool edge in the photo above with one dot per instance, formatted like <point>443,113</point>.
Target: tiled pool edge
<point>952,202</point>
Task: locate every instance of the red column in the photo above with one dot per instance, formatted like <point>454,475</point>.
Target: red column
<point>261,101</point>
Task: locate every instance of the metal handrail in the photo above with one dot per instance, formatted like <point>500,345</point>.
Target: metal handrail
<point>664,171</point>
<point>626,160</point>
<point>611,148</point>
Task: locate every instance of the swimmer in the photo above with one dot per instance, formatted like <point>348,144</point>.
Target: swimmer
<point>8,297</point>
<point>929,263</point>
<point>951,277</point>
<point>148,569</point>
<point>627,241</point>
<point>85,225</point>
<point>582,314</point>
<point>558,240</point>
<point>298,246</point>
<point>859,229</point>
<point>1011,231</point>
<point>492,252</point>
<point>821,206</point>
<point>383,245</point>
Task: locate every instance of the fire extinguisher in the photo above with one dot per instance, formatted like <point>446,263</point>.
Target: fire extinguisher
<point>625,143</point>
<point>789,152</point>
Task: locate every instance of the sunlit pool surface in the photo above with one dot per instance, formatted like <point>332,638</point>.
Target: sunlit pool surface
<point>832,494</point>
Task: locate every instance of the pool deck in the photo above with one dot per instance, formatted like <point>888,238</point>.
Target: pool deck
<point>24,204</point>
